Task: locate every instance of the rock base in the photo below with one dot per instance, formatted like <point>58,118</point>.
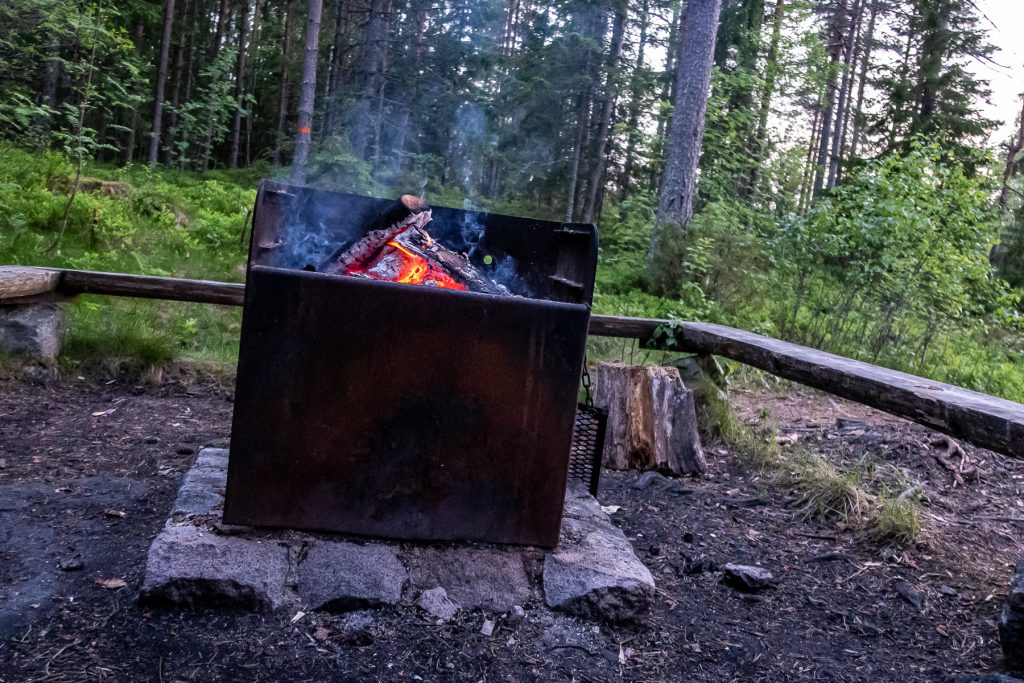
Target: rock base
<point>1011,622</point>
<point>196,561</point>
<point>34,331</point>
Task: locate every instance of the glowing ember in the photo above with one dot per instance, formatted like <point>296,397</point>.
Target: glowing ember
<point>397,263</point>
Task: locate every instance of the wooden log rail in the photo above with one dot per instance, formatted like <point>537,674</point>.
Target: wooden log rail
<point>982,420</point>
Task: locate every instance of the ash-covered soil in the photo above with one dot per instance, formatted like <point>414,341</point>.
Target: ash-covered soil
<point>89,469</point>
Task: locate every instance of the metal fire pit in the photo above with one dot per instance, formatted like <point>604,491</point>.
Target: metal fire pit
<point>405,411</point>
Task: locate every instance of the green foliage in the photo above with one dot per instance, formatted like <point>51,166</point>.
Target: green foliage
<point>893,266</point>
<point>130,220</point>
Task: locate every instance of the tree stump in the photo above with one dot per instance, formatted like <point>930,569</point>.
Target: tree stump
<point>652,422</point>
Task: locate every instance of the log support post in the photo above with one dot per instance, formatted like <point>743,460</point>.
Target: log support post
<point>652,421</point>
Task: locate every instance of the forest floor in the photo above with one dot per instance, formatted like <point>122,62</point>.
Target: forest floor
<point>89,469</point>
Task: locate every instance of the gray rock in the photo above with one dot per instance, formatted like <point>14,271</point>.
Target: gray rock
<point>488,578</point>
<point>579,504</point>
<point>746,578</point>
<point>337,576</point>
<point>988,678</point>
<point>193,568</point>
<point>1011,622</point>
<point>436,603</point>
<point>34,331</point>
<point>595,574</point>
<point>202,489</point>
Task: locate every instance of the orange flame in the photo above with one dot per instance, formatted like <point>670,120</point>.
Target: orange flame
<point>414,270</point>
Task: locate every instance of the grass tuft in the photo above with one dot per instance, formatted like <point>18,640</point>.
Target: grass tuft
<point>824,492</point>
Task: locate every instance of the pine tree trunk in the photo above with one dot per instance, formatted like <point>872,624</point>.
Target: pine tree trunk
<point>610,96</point>
<point>577,155</point>
<point>858,110</point>
<point>368,76</point>
<point>307,95</point>
<point>635,103</point>
<point>828,102</point>
<point>282,91</point>
<point>683,146</point>
<point>402,126</point>
<point>257,32</point>
<point>218,39</point>
<point>807,185</point>
<point>161,84</point>
<point>1012,163</point>
<point>184,9</point>
<point>218,36</point>
<point>844,93</point>
<point>378,130</point>
<point>668,89</point>
<point>133,126</point>
<point>236,125</point>
<point>333,80</point>
<point>771,69</point>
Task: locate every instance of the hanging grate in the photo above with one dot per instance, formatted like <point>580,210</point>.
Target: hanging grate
<point>587,446</point>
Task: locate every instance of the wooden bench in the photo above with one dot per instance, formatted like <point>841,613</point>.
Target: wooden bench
<point>980,419</point>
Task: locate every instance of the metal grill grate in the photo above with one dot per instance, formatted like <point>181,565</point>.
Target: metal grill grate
<point>587,446</point>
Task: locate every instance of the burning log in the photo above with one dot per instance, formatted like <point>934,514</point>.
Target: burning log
<point>404,252</point>
<point>407,212</point>
<point>456,265</point>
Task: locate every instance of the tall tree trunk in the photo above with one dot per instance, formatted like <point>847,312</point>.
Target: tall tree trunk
<point>1012,163</point>
<point>184,10</point>
<point>307,95</point>
<point>133,126</point>
<point>257,32</point>
<point>378,130</point>
<point>771,74</point>
<point>844,93</point>
<point>610,96</point>
<point>828,102</point>
<point>582,102</point>
<point>402,126</point>
<point>333,80</point>
<point>668,88</point>
<point>636,92</point>
<point>236,126</point>
<point>161,84</point>
<point>282,91</point>
<point>807,184</point>
<point>218,38</point>
<point>685,137</point>
<point>368,76</point>
<point>865,64</point>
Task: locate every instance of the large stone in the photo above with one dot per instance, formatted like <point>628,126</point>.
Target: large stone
<point>202,489</point>
<point>338,576</point>
<point>595,574</point>
<point>488,578</point>
<point>190,567</point>
<point>34,331</point>
<point>1011,622</point>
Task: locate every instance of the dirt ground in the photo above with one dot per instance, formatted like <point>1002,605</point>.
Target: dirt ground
<point>89,469</point>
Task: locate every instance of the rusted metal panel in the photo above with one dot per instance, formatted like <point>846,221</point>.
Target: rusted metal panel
<point>411,412</point>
